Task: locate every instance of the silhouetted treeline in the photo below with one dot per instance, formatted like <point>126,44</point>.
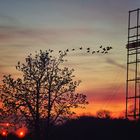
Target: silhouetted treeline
<point>91,128</point>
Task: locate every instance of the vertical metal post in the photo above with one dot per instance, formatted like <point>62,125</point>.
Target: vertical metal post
<point>136,69</point>
<point>127,68</point>
<point>138,44</point>
<point>137,38</point>
<point>139,101</point>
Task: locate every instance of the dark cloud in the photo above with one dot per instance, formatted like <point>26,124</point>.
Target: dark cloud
<point>115,63</point>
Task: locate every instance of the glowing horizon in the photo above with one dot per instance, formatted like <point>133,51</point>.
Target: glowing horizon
<point>28,26</point>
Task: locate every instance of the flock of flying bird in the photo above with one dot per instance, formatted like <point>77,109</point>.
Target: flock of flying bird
<point>103,50</point>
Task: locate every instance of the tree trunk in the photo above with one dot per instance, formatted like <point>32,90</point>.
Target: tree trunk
<point>49,106</point>
<point>49,115</point>
<point>37,131</point>
<point>37,123</point>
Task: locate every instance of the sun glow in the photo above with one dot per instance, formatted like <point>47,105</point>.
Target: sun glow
<point>4,133</point>
<point>21,132</point>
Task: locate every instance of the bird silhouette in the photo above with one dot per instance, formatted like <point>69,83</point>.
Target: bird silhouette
<point>98,51</point>
<point>60,51</point>
<point>101,46</point>
<point>108,48</point>
<point>80,48</point>
<point>73,49</point>
<point>88,49</point>
<point>67,50</point>
<point>93,52</point>
<point>104,49</point>
<point>50,50</point>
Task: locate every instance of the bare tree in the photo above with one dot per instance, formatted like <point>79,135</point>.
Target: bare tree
<point>46,90</point>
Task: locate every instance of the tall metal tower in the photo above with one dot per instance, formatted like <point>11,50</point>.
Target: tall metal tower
<point>133,66</point>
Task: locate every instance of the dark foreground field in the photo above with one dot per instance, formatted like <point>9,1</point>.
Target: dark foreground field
<point>90,128</point>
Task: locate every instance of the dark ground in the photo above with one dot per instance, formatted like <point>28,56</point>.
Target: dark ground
<point>90,128</point>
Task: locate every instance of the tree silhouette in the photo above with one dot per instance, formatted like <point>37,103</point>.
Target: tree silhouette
<point>46,90</point>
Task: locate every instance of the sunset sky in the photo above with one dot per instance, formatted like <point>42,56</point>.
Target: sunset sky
<point>27,26</point>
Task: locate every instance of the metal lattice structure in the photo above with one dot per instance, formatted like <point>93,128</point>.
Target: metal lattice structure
<point>133,66</point>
